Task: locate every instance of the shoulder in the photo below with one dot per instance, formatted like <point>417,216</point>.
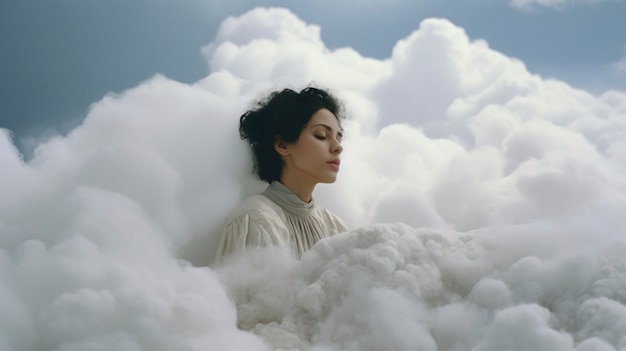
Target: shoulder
<point>255,222</point>
<point>256,207</point>
<point>257,214</point>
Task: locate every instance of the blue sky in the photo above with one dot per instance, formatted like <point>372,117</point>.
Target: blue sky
<point>60,56</point>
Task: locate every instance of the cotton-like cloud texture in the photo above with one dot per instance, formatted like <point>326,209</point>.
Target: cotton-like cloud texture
<point>488,208</point>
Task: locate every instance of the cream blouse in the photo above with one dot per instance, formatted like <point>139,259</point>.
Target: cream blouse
<point>277,217</point>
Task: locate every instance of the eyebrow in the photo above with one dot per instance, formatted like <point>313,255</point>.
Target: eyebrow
<point>329,128</point>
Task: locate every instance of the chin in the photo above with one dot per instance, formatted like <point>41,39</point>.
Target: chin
<point>328,180</point>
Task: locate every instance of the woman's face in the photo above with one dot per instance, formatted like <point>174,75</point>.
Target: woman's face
<point>314,157</point>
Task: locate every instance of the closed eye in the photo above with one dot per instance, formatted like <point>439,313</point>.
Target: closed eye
<point>320,137</point>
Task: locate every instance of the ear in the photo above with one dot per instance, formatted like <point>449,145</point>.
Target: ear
<point>280,146</point>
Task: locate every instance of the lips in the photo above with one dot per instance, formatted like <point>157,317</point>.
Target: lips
<point>335,162</point>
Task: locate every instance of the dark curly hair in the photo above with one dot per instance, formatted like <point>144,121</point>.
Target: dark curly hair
<point>281,115</point>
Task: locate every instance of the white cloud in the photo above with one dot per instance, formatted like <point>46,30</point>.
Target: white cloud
<point>620,66</point>
<point>557,4</point>
<point>530,4</point>
<point>511,186</point>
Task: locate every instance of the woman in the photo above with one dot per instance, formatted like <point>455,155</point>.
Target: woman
<point>296,142</point>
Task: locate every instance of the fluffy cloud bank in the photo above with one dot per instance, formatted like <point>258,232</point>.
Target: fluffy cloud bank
<point>508,187</point>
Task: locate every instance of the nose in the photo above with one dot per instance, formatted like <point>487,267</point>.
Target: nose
<point>337,148</point>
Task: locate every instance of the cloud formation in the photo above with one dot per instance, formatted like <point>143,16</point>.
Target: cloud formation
<point>620,66</point>
<point>556,4</point>
<point>506,187</point>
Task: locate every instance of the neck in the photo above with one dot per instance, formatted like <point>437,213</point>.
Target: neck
<point>302,188</point>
